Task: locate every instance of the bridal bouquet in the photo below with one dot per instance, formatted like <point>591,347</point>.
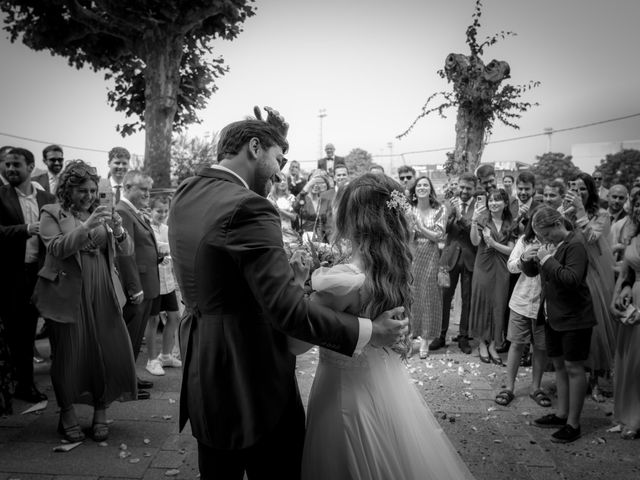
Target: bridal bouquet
<point>318,254</point>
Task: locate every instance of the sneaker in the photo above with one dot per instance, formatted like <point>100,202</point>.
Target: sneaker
<point>550,421</point>
<point>566,434</point>
<point>154,367</point>
<point>169,361</point>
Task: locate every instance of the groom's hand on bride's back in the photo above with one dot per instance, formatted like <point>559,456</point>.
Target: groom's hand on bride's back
<point>387,329</point>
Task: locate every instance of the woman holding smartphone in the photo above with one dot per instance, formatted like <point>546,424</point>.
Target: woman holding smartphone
<point>490,285</point>
<point>582,208</point>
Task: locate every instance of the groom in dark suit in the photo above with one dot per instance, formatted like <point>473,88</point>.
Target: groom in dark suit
<point>139,272</point>
<point>239,389</point>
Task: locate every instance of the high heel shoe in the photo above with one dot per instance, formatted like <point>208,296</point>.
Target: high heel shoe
<point>629,434</point>
<point>496,360</point>
<point>72,434</point>
<point>423,354</point>
<point>484,358</point>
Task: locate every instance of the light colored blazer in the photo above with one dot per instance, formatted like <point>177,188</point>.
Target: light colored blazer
<point>59,286</point>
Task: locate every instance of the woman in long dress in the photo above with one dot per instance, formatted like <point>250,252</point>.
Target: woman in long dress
<point>429,225</point>
<point>79,292</point>
<point>490,285</point>
<point>365,418</point>
<point>284,202</point>
<point>626,395</point>
<point>586,215</point>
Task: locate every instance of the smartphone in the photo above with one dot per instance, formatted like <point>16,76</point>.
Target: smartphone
<point>482,200</point>
<point>106,198</point>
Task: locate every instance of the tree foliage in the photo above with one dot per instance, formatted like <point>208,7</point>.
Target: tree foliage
<point>622,167</point>
<point>477,96</point>
<point>550,166</point>
<point>188,155</point>
<point>358,161</point>
<point>158,53</point>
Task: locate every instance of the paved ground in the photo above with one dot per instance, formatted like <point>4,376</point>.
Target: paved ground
<point>496,442</point>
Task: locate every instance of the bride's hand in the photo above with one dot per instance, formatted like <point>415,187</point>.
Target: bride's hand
<point>387,330</point>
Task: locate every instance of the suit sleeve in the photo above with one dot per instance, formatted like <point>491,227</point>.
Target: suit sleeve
<point>572,273</point>
<point>60,244</point>
<point>254,240</point>
<point>127,265</point>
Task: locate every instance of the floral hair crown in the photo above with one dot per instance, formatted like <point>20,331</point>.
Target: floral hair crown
<point>398,202</point>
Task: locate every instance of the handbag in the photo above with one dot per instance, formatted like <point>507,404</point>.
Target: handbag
<point>444,280</point>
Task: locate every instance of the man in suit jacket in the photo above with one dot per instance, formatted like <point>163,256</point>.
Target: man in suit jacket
<point>23,253</point>
<point>113,185</point>
<point>239,388</point>
<point>522,203</point>
<point>329,162</point>
<point>53,158</point>
<point>327,199</point>
<point>458,257</point>
<point>139,272</point>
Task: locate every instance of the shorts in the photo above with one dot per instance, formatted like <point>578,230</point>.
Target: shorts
<point>574,345</point>
<point>523,331</point>
<point>164,303</point>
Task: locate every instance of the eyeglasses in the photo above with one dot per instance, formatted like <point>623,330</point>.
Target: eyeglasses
<point>56,160</point>
<point>405,177</point>
<point>597,178</point>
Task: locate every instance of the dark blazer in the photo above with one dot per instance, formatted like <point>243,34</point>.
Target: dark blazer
<point>59,285</point>
<point>303,206</point>
<point>14,235</point>
<point>238,287</point>
<point>458,243</point>
<point>322,163</point>
<point>42,179</point>
<point>139,271</point>
<point>564,286</point>
<point>521,220</point>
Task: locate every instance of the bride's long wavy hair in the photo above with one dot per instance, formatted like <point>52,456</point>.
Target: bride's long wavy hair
<point>371,214</point>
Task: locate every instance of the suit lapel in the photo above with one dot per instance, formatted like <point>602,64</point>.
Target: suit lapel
<point>14,203</point>
<point>67,224</point>
<point>140,219</point>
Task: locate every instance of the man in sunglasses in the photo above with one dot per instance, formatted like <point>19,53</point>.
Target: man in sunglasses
<point>53,158</point>
<point>242,299</point>
<point>406,175</point>
<point>603,192</point>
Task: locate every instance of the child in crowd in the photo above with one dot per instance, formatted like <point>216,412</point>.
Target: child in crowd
<point>167,302</point>
<point>567,311</point>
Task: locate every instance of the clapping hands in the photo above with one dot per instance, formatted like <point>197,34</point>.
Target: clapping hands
<point>544,250</point>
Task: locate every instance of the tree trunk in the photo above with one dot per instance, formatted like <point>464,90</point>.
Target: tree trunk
<point>162,57</point>
<point>470,133</point>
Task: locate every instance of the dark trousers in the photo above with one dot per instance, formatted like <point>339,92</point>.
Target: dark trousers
<point>277,455</point>
<point>136,318</point>
<point>20,319</point>
<point>459,271</point>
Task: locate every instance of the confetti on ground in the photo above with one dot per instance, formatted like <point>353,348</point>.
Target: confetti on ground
<point>171,400</point>
<point>38,407</point>
<point>134,460</point>
<point>146,441</point>
<point>123,446</point>
<point>124,454</point>
<point>172,473</point>
<point>616,429</point>
<point>66,447</point>
<point>467,382</point>
<point>167,417</point>
<point>103,444</point>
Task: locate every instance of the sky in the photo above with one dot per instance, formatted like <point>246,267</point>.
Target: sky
<point>371,66</point>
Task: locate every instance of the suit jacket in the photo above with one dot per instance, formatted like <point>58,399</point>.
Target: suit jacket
<point>242,302</point>
<point>458,243</point>
<point>139,271</point>
<point>564,286</point>
<point>322,163</point>
<point>42,179</point>
<point>59,287</point>
<point>521,220</point>
<point>14,235</point>
<point>326,209</point>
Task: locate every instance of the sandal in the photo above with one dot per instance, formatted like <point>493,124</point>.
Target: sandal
<point>99,431</point>
<point>541,398</point>
<point>72,434</point>
<point>504,397</point>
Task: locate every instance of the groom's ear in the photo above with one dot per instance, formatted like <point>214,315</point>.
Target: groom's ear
<point>253,148</point>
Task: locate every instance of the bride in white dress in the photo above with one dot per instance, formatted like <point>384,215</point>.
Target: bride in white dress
<point>365,419</point>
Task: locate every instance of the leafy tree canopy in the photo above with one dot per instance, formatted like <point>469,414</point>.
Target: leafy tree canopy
<point>622,167</point>
<point>188,155</point>
<point>118,36</point>
<point>358,161</point>
<point>550,166</point>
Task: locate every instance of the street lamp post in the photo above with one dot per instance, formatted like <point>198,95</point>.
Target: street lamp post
<point>321,114</point>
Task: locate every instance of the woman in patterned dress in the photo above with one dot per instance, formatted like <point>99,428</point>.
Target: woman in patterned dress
<point>429,227</point>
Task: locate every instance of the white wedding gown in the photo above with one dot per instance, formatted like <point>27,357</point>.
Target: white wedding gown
<point>365,419</point>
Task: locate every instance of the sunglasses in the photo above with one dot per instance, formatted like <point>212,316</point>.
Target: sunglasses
<point>282,162</point>
<point>405,177</point>
<point>82,171</point>
<point>56,160</point>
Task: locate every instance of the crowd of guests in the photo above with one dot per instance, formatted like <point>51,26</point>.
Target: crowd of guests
<point>535,266</point>
<point>90,257</point>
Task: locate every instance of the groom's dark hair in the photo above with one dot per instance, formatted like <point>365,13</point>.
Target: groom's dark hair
<point>235,135</point>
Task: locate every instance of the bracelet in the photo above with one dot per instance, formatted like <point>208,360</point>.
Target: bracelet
<point>121,237</point>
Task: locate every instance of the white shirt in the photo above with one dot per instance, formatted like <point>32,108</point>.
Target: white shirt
<point>30,212</point>
<point>525,299</point>
<point>53,181</point>
<point>167,283</point>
